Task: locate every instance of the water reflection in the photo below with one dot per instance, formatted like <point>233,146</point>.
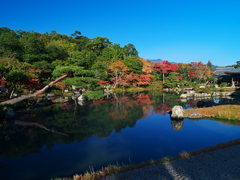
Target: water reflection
<point>67,122</point>
<point>115,120</point>
<point>177,124</point>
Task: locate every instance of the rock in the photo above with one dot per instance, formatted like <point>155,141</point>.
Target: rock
<point>195,115</point>
<point>177,112</point>
<point>183,96</point>
<point>77,93</point>
<point>51,96</point>
<point>81,98</point>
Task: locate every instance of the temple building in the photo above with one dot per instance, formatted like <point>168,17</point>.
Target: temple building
<point>235,74</point>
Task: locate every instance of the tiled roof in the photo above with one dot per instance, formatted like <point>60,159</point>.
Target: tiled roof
<point>234,71</point>
<point>222,70</point>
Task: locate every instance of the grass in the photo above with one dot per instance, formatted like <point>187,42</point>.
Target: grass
<point>227,112</point>
<point>114,169</point>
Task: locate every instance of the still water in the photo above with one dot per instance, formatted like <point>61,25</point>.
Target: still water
<point>64,139</point>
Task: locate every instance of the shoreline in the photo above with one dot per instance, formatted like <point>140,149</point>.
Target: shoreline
<point>132,171</point>
<point>218,164</point>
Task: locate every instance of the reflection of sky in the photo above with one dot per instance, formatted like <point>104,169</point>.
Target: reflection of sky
<point>151,138</point>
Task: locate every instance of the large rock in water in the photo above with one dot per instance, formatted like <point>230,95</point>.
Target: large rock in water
<point>177,112</point>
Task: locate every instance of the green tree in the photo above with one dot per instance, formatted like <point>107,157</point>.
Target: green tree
<point>98,44</point>
<point>33,47</point>
<point>172,80</point>
<point>13,73</point>
<point>82,58</point>
<point>9,43</point>
<point>134,64</point>
<point>76,33</point>
<point>209,64</point>
<point>130,50</point>
<point>100,70</point>
<point>55,52</point>
<point>112,53</point>
<point>237,65</point>
<point>77,76</point>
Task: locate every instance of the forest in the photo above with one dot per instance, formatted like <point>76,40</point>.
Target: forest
<point>30,60</point>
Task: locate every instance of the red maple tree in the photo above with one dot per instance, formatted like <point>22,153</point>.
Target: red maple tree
<point>165,67</point>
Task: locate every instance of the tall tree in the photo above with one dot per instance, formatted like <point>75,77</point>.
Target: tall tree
<point>237,65</point>
<point>202,71</point>
<point>209,64</point>
<point>134,64</point>
<point>165,68</point>
<point>33,47</point>
<point>9,44</point>
<point>147,66</point>
<point>98,44</point>
<point>77,76</point>
<point>130,50</point>
<point>173,80</point>
<point>117,70</point>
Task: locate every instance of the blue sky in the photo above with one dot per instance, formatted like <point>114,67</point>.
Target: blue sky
<point>173,30</point>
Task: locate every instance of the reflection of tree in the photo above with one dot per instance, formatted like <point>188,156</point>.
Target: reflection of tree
<point>162,109</point>
<point>22,123</point>
<point>98,119</point>
<point>20,140</point>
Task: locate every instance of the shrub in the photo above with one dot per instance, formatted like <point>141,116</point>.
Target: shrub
<point>223,84</point>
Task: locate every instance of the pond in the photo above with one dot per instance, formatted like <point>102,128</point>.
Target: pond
<point>63,139</point>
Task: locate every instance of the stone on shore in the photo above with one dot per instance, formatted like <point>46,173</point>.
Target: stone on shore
<point>177,112</point>
<point>195,115</point>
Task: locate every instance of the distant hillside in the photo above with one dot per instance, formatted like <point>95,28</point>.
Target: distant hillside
<point>155,60</point>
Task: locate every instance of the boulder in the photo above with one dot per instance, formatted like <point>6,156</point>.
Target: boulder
<point>81,98</point>
<point>183,96</point>
<point>177,112</point>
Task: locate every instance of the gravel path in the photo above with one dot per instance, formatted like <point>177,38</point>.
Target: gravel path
<point>221,164</point>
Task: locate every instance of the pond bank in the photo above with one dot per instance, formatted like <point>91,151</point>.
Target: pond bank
<point>227,112</point>
<point>214,162</point>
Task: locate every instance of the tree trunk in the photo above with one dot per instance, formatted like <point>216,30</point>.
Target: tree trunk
<point>23,97</point>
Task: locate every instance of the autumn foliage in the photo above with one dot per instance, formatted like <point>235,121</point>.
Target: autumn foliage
<point>165,67</point>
